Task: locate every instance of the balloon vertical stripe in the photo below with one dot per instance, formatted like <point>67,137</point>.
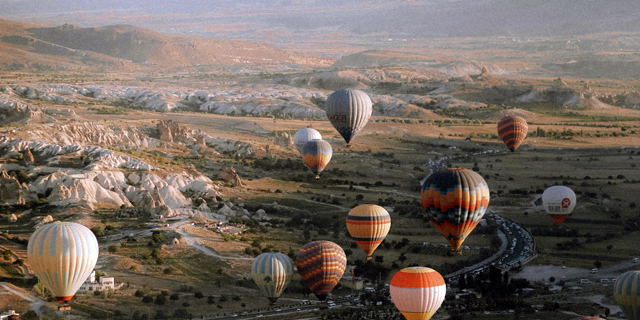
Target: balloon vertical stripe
<point>627,294</point>
<point>272,272</point>
<point>348,111</point>
<point>62,256</point>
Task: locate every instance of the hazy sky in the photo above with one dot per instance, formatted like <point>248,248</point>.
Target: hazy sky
<point>278,19</point>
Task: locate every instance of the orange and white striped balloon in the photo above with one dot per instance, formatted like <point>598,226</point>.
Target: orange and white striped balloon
<point>417,292</point>
<point>368,225</point>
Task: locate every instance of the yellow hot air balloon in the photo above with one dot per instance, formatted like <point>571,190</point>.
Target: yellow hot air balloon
<point>417,292</point>
<point>62,255</point>
<point>272,272</point>
<point>368,224</point>
<point>627,294</point>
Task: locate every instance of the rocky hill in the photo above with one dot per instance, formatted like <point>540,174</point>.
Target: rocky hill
<point>126,47</point>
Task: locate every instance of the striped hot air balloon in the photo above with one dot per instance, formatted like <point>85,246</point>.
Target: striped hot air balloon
<point>368,224</point>
<point>321,265</point>
<point>417,292</point>
<point>512,130</point>
<point>62,255</point>
<point>559,202</point>
<point>455,201</point>
<point>303,135</point>
<point>316,155</point>
<point>272,272</point>
<point>348,111</point>
<point>627,294</point>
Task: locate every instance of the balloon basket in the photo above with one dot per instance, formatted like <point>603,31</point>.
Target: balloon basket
<point>65,307</point>
<point>348,146</point>
<point>455,252</point>
<point>317,177</point>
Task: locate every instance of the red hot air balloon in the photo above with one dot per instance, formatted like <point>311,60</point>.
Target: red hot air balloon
<point>321,264</point>
<point>512,130</point>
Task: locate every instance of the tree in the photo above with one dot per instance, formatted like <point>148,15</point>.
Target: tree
<point>174,296</point>
<point>97,231</point>
<point>198,295</point>
<point>30,315</point>
<point>597,264</point>
<point>211,300</point>
<point>379,259</point>
<point>139,293</point>
<point>181,313</point>
<point>223,298</point>
<point>160,299</point>
<point>147,299</point>
<point>113,248</point>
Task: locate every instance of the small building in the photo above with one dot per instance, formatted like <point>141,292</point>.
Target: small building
<point>10,315</point>
<point>104,283</point>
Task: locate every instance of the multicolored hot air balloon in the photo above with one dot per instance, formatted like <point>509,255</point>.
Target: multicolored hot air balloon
<point>627,294</point>
<point>417,292</point>
<point>559,202</point>
<point>348,111</point>
<point>63,255</point>
<point>316,155</point>
<point>272,272</point>
<point>303,135</point>
<point>455,201</point>
<point>368,224</point>
<point>321,265</point>
<point>512,130</point>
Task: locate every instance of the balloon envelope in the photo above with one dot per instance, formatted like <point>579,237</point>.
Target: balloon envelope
<point>62,255</point>
<point>272,272</point>
<point>303,135</point>
<point>348,111</point>
<point>316,154</point>
<point>626,291</point>
<point>417,292</point>
<point>512,130</point>
<point>455,201</point>
<point>321,265</point>
<point>559,202</point>
<point>368,224</point>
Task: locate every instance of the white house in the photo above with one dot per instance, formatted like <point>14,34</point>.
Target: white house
<point>9,315</point>
<point>105,283</point>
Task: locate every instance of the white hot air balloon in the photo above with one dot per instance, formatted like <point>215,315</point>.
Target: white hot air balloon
<point>558,201</point>
<point>303,135</point>
<point>62,255</point>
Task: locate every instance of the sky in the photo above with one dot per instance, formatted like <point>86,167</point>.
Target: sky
<point>275,20</point>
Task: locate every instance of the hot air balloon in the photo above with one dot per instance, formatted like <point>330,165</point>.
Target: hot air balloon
<point>62,255</point>
<point>558,201</point>
<point>303,135</point>
<point>348,111</point>
<point>626,293</point>
<point>368,224</point>
<point>321,265</point>
<point>316,155</point>
<point>417,292</point>
<point>272,272</point>
<point>455,201</point>
<point>512,130</point>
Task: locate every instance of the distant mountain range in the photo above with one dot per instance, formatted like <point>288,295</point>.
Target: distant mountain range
<point>128,47</point>
<point>288,20</point>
